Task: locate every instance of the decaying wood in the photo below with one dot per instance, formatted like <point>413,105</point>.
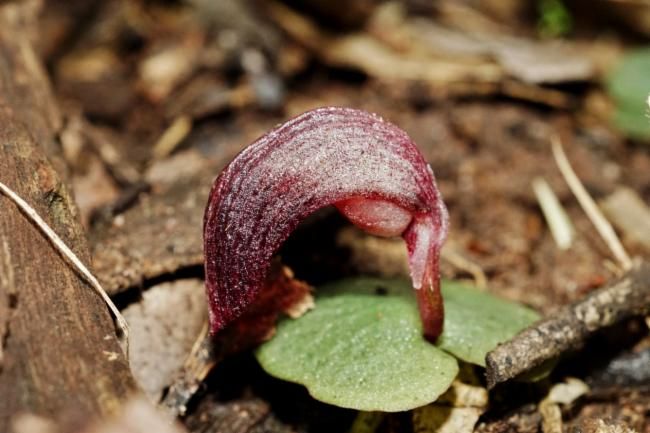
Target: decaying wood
<point>72,259</point>
<point>59,356</point>
<point>568,328</point>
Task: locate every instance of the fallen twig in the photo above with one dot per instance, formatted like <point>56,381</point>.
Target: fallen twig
<point>72,257</point>
<point>568,328</point>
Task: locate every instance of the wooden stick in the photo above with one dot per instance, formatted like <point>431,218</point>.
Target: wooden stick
<point>568,328</point>
<point>59,356</point>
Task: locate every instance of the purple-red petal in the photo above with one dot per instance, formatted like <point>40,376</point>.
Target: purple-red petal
<point>369,168</point>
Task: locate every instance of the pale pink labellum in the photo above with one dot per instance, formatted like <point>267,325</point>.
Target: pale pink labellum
<point>368,168</point>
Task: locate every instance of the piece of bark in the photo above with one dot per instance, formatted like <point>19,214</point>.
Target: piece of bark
<point>59,356</point>
<point>25,87</point>
<point>160,234</point>
<point>569,327</point>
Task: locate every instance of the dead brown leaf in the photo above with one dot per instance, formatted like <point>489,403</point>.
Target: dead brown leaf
<point>164,325</point>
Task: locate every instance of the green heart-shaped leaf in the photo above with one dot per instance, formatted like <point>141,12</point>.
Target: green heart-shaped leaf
<point>476,321</point>
<point>362,346</point>
<point>360,350</point>
<point>629,85</point>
